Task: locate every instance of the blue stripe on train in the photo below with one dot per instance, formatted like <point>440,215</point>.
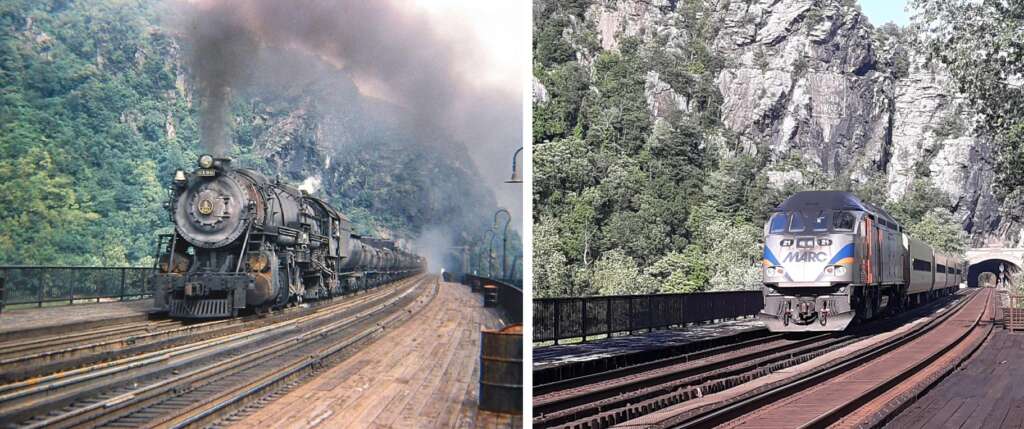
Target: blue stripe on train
<point>768,256</point>
<point>845,252</point>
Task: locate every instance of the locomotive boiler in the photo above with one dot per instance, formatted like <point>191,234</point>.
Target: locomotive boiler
<point>831,258</point>
<point>242,241</point>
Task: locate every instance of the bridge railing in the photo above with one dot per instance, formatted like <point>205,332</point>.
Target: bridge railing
<point>39,285</point>
<point>556,319</point>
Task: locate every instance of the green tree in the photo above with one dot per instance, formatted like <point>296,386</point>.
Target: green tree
<point>939,229</point>
<point>615,273</point>
<point>685,272</point>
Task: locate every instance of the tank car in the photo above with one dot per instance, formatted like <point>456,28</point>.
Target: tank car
<point>243,241</point>
<point>831,258</point>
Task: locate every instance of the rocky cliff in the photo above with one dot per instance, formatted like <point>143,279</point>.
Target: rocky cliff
<point>819,91</point>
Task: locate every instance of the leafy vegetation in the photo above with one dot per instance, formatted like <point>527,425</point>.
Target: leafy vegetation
<point>622,204</point>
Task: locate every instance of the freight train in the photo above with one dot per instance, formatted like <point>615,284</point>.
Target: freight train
<point>244,242</point>
<point>831,258</point>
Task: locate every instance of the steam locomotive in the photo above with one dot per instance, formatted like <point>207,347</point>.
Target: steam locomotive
<point>830,258</point>
<point>242,241</point>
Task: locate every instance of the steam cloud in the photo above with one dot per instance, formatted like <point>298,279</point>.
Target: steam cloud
<point>379,43</point>
<point>386,48</point>
<point>436,245</point>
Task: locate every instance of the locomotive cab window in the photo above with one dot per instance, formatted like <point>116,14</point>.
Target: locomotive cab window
<point>777,223</point>
<point>843,221</point>
<point>820,221</point>
<point>796,223</point>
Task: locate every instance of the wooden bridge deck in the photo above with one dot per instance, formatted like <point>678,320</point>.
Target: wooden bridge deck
<point>423,374</point>
<point>985,392</point>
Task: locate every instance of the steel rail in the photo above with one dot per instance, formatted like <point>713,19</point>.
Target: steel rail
<point>219,368</point>
<point>574,382</point>
<point>719,415</point>
<point>45,386</point>
<point>244,394</point>
<point>837,413</point>
<point>643,395</point>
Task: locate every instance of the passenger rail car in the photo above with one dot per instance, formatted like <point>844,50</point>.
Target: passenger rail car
<point>830,258</point>
<point>243,241</point>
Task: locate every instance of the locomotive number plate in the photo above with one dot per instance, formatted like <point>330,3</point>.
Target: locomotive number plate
<point>206,172</point>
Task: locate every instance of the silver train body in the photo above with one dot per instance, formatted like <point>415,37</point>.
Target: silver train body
<point>830,258</point>
<point>242,241</point>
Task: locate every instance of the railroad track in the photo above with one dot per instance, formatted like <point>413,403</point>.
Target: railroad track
<point>625,394</point>
<point>156,387</point>
<point>826,398</point>
<point>835,392</point>
<point>23,347</point>
<point>29,358</point>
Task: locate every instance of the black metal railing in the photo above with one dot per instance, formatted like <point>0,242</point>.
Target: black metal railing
<point>509,298</point>
<point>557,319</point>
<point>39,285</point>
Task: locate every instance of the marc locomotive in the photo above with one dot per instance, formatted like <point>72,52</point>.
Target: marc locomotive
<point>830,258</point>
<point>243,241</point>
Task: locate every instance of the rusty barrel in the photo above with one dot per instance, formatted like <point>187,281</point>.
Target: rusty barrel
<point>501,369</point>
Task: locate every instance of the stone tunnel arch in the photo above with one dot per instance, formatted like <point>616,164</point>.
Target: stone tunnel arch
<point>990,265</point>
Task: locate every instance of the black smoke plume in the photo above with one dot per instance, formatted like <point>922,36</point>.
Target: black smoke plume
<point>222,49</point>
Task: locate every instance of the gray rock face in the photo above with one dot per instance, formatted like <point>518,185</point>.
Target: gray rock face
<point>540,93</point>
<point>661,99</point>
<point>804,83</point>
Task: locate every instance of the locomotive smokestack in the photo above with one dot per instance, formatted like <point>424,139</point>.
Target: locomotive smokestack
<point>222,163</point>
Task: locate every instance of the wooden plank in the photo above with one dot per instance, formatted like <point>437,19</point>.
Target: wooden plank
<point>422,374</point>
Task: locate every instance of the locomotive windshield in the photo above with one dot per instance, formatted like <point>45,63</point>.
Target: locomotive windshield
<point>844,221</point>
<point>818,221</point>
<point>778,222</point>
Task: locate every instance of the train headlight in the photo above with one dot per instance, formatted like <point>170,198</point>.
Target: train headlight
<point>840,270</point>
<point>206,161</point>
<point>829,270</point>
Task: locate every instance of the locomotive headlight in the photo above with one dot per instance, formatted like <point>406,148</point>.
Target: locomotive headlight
<point>206,161</point>
<point>179,176</point>
<point>835,270</point>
